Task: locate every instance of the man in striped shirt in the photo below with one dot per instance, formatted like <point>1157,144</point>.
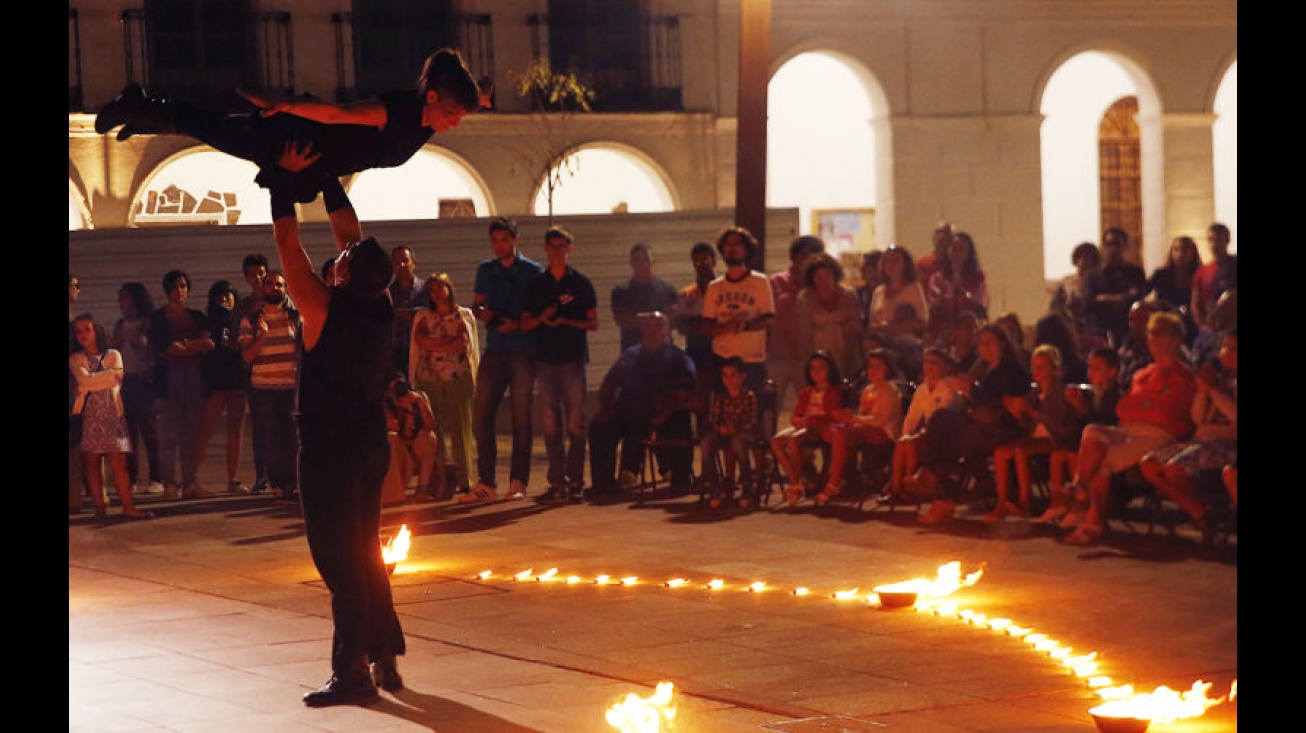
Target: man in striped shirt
<point>269,342</point>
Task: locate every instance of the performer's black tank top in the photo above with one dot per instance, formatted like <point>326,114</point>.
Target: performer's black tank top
<point>343,379</point>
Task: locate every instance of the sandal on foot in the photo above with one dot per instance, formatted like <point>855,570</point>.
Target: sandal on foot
<point>1085,534</point>
<point>826,495</point>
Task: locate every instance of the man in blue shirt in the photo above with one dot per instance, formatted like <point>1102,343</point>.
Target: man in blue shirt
<point>649,389</point>
<point>508,363</point>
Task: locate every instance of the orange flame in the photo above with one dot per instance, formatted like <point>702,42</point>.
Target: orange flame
<point>1162,705</point>
<point>643,715</point>
<point>947,581</point>
<point>395,549</point>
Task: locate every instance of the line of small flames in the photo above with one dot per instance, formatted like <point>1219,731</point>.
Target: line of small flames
<point>1163,705</point>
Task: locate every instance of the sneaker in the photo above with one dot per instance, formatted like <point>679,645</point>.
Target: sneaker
<point>261,486</point>
<point>481,492</point>
<point>576,494</point>
<point>150,487</point>
<point>236,487</point>
<point>627,480</point>
<point>516,490</point>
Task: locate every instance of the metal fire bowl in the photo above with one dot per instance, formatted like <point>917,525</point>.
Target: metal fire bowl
<point>897,599</point>
<point>1113,724</point>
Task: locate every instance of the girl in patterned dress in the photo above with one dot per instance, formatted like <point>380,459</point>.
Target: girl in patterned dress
<point>98,372</point>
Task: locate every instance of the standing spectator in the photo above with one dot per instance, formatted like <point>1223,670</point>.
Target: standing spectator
<point>786,352</point>
<point>1155,412</point>
<point>255,267</point>
<point>560,308</point>
<point>827,313</point>
<point>1172,283</point>
<point>899,313</point>
<point>738,310</point>
<point>76,484</point>
<point>686,317</point>
<point>1112,288</point>
<point>223,374</point>
<point>97,370</point>
<point>957,286</point>
<point>729,436</point>
<point>646,391</point>
<point>870,270</point>
<point>508,364</point>
<point>179,335</point>
<point>343,450</point>
<point>1068,297</point>
<point>131,338</point>
<point>408,293</point>
<point>642,293</point>
<point>269,342</point>
<point>1214,277</point>
<point>940,238</point>
<point>443,359</point>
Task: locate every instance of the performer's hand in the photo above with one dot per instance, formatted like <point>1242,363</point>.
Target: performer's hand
<point>266,108</point>
<point>296,159</point>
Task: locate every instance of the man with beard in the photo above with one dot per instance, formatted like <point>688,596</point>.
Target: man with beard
<point>737,309</point>
<point>269,344</point>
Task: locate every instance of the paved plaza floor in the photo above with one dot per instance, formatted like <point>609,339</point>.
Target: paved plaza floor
<point>211,618</point>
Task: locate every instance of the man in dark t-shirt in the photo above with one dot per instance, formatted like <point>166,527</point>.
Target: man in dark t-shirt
<point>642,293</point>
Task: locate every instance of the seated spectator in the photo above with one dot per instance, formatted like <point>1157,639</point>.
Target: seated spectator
<point>648,391</point>
<point>414,447</point>
<point>961,348</point>
<point>820,405</point>
<point>1182,471</point>
<point>970,432</point>
<point>1133,350</point>
<point>1053,329</point>
<point>942,387</point>
<point>1011,323</point>
<point>1068,298</point>
<point>1155,412</point>
<point>729,436</point>
<point>1093,403</point>
<point>958,286</point>
<point>877,421</point>
<point>1052,424</point>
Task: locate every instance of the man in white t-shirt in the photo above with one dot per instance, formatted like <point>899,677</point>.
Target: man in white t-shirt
<point>737,309</point>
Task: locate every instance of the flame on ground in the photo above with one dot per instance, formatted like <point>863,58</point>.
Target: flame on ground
<point>1163,705</point>
<point>395,550</point>
<point>644,715</point>
<point>948,581</point>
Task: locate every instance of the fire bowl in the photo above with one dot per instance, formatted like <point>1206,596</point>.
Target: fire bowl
<point>896,599</point>
<point>1117,724</point>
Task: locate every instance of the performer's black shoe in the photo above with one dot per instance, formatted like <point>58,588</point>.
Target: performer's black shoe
<point>339,691</point>
<point>117,111</point>
<point>385,674</point>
